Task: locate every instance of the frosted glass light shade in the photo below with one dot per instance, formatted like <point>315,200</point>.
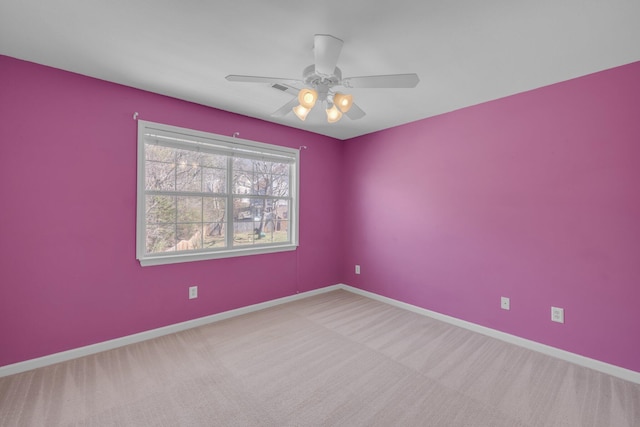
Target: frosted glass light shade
<point>307,98</point>
<point>343,101</point>
<point>301,112</point>
<point>333,114</point>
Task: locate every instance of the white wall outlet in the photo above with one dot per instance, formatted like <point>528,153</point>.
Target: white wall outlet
<point>557,314</point>
<point>357,269</point>
<point>193,292</point>
<point>505,303</point>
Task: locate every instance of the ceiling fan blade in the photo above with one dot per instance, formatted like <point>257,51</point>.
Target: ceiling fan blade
<point>258,79</point>
<point>355,112</point>
<point>326,50</point>
<point>387,81</point>
<point>285,109</point>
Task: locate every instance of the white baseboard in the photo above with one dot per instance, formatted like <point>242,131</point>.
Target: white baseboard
<point>40,362</point>
<point>597,365</point>
<point>613,370</point>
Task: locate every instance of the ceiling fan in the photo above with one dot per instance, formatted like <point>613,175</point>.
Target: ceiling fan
<point>318,82</point>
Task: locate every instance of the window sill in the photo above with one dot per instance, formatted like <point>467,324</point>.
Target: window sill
<point>189,257</point>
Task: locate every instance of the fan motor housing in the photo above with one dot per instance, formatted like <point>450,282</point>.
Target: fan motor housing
<point>312,78</point>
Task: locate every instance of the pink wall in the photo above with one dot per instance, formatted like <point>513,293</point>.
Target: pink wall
<point>68,271</point>
<point>535,197</point>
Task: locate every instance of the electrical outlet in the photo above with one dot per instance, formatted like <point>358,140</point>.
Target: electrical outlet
<point>357,269</point>
<point>557,314</point>
<point>505,303</point>
<point>193,292</point>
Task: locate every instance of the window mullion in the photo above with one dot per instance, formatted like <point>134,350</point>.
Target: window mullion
<point>202,198</point>
<point>229,235</point>
<point>175,186</point>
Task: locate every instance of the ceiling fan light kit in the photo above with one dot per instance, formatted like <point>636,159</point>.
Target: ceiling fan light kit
<point>343,101</point>
<point>307,98</point>
<point>333,114</point>
<point>301,112</point>
<point>320,78</point>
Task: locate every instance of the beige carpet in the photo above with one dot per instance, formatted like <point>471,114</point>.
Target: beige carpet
<point>337,359</point>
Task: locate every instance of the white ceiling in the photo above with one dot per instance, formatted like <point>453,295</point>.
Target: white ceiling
<point>465,52</point>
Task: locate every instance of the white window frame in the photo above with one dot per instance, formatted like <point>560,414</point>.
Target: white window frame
<point>219,144</point>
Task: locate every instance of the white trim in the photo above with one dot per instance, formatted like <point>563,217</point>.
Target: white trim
<point>75,353</point>
<point>173,258</point>
<point>606,368</point>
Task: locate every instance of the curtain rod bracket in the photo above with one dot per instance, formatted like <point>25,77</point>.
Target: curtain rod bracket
<point>135,116</point>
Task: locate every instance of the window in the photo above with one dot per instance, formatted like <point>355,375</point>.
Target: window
<point>205,196</point>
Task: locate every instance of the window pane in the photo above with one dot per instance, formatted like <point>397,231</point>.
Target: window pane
<point>213,160</point>
<point>160,237</point>
<point>215,226</point>
<point>188,177</point>
<point>215,180</point>
<point>260,178</point>
<point>215,234</point>
<point>281,210</point>
<point>189,209</point>
<point>265,221</point>
<point>188,157</point>
<point>242,182</point>
<point>275,221</point>
<point>242,210</point>
<point>243,233</point>
<point>279,185</point>
<point>214,209</point>
<point>160,209</point>
<point>159,153</point>
<point>160,176</point>
<point>189,236</point>
<point>243,165</point>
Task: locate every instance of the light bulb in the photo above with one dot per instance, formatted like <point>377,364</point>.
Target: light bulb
<point>333,114</point>
<point>301,112</point>
<point>344,102</point>
<point>307,98</point>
